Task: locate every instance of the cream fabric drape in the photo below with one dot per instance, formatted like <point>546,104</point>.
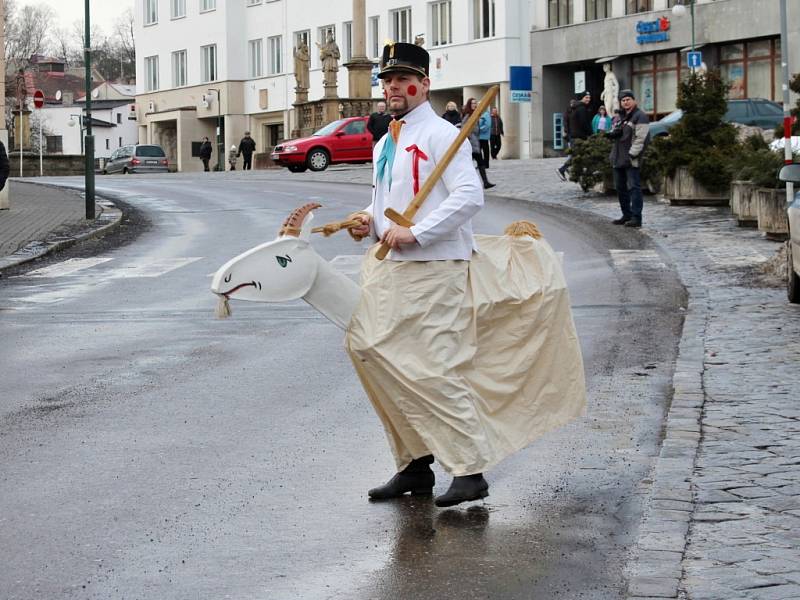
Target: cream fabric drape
<point>468,360</point>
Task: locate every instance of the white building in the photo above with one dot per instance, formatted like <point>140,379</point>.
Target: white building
<point>200,61</point>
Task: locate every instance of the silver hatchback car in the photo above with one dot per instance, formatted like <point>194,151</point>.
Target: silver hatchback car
<point>138,158</point>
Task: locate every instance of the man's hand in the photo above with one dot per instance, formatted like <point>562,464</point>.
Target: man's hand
<point>397,235</point>
<point>360,232</point>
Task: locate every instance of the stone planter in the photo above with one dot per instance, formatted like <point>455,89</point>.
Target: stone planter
<point>743,203</point>
<point>772,217</point>
<point>683,190</point>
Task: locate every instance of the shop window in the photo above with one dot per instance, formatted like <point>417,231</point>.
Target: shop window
<point>752,69</point>
<point>598,9</point>
<point>638,6</point>
<point>655,80</point>
<point>560,12</point>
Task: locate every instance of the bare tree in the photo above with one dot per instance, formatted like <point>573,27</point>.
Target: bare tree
<point>123,35</point>
<point>27,31</point>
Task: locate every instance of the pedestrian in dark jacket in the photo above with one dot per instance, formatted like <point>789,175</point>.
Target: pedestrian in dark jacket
<point>474,141</point>
<point>630,136</point>
<point>451,114</point>
<point>247,146</point>
<point>205,153</point>
<point>579,126</point>
<point>5,168</point>
<point>497,132</point>
<point>378,122</point>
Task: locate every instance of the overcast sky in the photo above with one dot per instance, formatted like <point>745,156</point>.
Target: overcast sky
<point>104,12</point>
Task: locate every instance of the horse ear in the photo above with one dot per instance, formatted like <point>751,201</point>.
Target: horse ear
<point>305,232</point>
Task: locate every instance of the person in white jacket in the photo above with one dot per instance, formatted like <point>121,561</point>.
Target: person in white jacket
<point>422,281</point>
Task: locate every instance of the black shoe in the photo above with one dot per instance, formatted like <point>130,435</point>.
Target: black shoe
<point>634,223</point>
<point>488,185</point>
<point>464,489</point>
<point>416,478</point>
<point>621,220</point>
<point>561,175</point>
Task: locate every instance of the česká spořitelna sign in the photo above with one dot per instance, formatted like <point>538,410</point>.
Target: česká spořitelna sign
<point>653,31</point>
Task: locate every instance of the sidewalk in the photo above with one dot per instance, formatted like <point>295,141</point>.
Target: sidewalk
<point>43,218</point>
<point>722,518</point>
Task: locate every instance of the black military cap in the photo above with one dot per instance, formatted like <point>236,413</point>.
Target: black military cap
<point>409,58</point>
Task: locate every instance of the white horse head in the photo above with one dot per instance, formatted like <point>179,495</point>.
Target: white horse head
<point>288,268</point>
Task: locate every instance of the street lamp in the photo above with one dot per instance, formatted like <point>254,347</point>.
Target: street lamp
<point>72,122</point>
<point>679,10</point>
<point>219,128</point>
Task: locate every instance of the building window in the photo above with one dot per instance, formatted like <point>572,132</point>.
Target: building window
<point>441,23</point>
<point>178,8</point>
<point>752,69</point>
<point>655,80</point>
<point>254,58</point>
<point>151,73</point>
<point>273,135</point>
<point>253,2</point>
<point>598,9</point>
<point>119,145</point>
<point>347,41</point>
<point>374,37</point>
<point>119,118</point>
<point>206,5</point>
<point>275,54</point>
<point>150,12</point>
<point>559,13</point>
<point>108,144</point>
<point>302,37</point>
<point>54,144</point>
<point>638,6</point>
<point>179,68</point>
<point>209,55</point>
<point>483,15</point>
<point>400,23</point>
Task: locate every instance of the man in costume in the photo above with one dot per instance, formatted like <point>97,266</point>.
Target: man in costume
<point>466,356</point>
<point>428,263</point>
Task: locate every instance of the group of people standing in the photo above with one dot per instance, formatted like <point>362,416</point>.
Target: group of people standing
<point>485,138</point>
<point>246,149</point>
<point>628,129</point>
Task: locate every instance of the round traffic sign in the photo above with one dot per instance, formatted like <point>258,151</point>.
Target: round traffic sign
<point>38,98</point>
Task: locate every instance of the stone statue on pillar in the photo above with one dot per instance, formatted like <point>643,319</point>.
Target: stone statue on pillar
<point>329,56</point>
<point>610,95</point>
<point>301,61</point>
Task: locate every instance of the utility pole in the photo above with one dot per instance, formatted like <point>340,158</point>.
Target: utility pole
<point>787,109</point>
<point>4,203</point>
<point>89,145</point>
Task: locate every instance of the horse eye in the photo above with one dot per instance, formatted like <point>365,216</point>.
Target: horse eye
<point>228,278</point>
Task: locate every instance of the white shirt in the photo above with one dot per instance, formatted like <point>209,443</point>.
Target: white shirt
<point>443,225</point>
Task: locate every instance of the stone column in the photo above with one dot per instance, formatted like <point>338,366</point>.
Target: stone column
<point>359,69</point>
<point>509,112</point>
<point>4,203</point>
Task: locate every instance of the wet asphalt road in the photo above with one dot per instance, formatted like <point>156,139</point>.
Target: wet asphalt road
<point>148,450</point>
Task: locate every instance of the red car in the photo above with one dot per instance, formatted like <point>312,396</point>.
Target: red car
<point>343,141</point>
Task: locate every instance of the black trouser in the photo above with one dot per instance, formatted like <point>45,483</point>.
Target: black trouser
<point>496,143</point>
<point>248,161</point>
<point>479,160</point>
<point>205,163</point>
<point>485,152</point>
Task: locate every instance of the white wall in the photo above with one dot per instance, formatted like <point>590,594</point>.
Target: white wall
<point>56,122</point>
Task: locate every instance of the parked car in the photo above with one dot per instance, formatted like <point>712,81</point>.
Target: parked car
<point>342,141</point>
<point>792,173</point>
<point>755,112</point>
<point>137,158</point>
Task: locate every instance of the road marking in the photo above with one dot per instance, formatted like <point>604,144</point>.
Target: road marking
<point>150,267</point>
<point>68,267</point>
<point>637,260</point>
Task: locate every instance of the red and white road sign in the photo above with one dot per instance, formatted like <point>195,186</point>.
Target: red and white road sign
<point>38,98</point>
